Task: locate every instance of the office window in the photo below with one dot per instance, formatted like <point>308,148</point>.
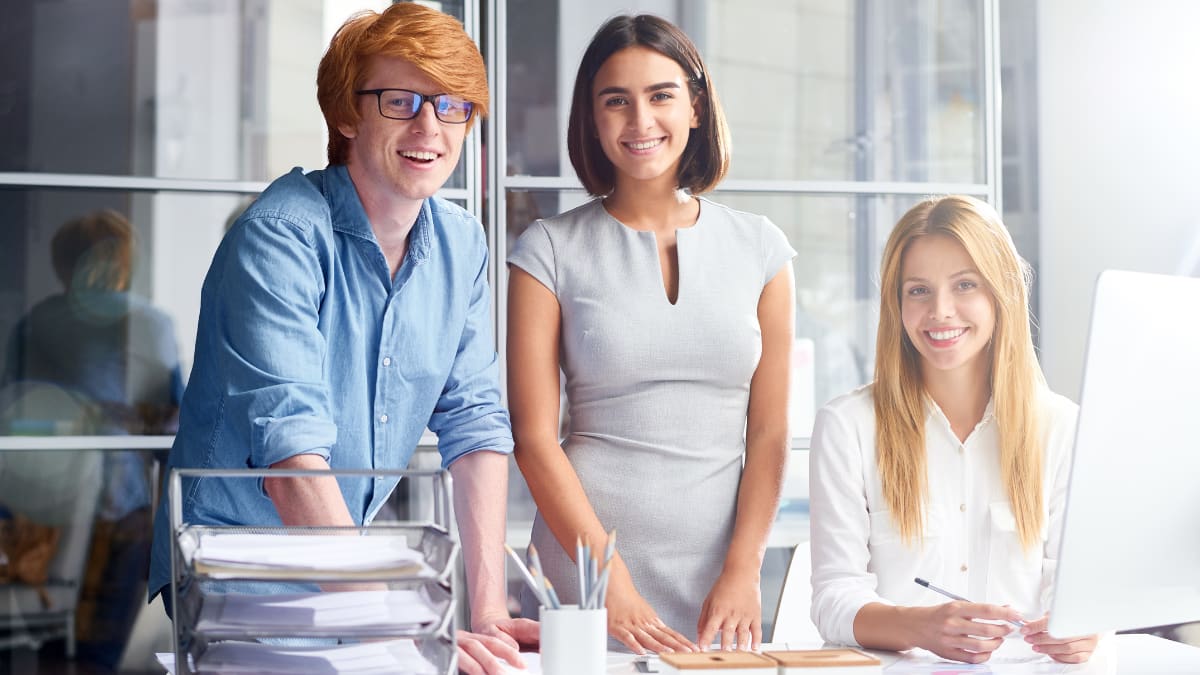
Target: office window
<point>134,132</point>
<point>171,114</point>
<point>835,90</point>
<point>221,90</point>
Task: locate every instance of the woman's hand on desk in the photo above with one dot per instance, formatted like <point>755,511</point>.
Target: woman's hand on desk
<point>1066,650</point>
<point>635,623</point>
<point>733,607</point>
<point>963,631</point>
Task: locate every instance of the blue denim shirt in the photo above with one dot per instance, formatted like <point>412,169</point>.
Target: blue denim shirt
<point>307,344</point>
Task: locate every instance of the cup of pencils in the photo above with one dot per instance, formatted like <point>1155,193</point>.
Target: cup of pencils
<point>574,637</point>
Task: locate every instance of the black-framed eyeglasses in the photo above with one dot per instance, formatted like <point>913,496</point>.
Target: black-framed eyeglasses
<point>404,104</point>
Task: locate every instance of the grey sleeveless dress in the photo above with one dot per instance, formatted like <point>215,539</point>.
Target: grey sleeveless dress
<point>657,393</point>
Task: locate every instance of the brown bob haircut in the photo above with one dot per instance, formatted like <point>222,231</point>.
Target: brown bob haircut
<point>432,41</point>
<point>94,252</point>
<point>705,159</point>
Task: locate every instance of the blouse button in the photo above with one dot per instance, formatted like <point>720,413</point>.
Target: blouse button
<point>383,418</point>
<point>962,507</point>
<point>387,361</point>
<point>963,568</point>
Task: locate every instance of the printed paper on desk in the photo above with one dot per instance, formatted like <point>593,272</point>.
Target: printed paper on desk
<point>826,662</point>
<point>724,663</point>
<point>1014,657</point>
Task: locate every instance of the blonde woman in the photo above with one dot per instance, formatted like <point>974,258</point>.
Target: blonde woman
<point>952,466</point>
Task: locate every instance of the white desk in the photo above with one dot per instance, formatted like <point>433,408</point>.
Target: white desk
<point>1117,655</point>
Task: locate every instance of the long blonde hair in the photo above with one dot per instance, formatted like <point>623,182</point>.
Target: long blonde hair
<point>1016,378</point>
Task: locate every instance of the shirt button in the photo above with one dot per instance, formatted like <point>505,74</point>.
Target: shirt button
<point>962,507</point>
<point>383,418</point>
<point>963,568</point>
<point>387,361</point>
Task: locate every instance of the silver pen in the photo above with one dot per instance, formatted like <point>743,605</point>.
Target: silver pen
<point>954,596</point>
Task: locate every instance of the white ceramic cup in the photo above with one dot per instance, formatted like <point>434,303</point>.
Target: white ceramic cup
<point>574,641</point>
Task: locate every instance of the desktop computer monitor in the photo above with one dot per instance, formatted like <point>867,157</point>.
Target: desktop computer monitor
<point>1130,551</point>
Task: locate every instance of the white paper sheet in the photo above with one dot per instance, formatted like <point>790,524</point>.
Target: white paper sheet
<point>229,555</point>
<point>368,658</point>
<point>361,610</point>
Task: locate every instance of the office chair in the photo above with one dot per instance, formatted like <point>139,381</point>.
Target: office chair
<point>792,621</point>
<point>57,488</point>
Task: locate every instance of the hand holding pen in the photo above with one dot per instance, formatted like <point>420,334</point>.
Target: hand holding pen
<point>961,631</point>
<point>1016,622</point>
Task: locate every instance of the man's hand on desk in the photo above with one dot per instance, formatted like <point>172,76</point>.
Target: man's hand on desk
<point>516,633</point>
<point>1066,650</point>
<point>480,653</point>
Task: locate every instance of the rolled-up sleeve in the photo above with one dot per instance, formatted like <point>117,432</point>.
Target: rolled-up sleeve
<point>468,415</point>
<point>271,351</point>
<point>840,524</point>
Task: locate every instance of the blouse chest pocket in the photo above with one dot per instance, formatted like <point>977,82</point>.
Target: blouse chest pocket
<point>1005,540</point>
<point>885,533</point>
<point>895,562</point>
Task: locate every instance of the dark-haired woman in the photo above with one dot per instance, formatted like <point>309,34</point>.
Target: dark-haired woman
<point>671,317</point>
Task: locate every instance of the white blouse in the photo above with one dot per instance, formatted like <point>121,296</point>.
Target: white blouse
<point>970,544</point>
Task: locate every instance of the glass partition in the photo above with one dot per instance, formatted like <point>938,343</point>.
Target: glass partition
<point>221,90</point>
<point>834,90</point>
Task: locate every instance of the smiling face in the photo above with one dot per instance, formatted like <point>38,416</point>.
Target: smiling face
<point>405,159</point>
<point>946,307</point>
<point>644,113</point>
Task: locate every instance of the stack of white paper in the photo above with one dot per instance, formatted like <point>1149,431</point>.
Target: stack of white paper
<point>532,665</point>
<point>290,556</point>
<point>380,612</point>
<point>368,658</point>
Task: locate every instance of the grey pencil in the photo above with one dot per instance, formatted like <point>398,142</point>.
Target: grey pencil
<point>596,597</point>
<point>611,547</point>
<point>581,568</point>
<point>528,576</point>
<point>535,564</point>
<point>554,603</point>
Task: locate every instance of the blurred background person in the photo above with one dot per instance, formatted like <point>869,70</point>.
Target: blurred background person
<point>115,356</point>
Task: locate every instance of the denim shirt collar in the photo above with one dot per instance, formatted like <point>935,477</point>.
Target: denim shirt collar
<point>349,217</point>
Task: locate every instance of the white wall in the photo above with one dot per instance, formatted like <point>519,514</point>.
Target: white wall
<point>1120,157</point>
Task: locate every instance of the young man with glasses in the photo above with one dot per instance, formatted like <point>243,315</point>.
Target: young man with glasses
<point>348,309</point>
